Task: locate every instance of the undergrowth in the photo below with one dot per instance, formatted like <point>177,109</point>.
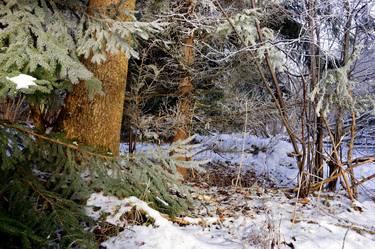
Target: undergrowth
<point>44,186</point>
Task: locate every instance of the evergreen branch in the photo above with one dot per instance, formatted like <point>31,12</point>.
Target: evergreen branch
<point>55,141</point>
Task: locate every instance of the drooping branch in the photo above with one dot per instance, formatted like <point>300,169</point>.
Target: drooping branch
<point>54,141</point>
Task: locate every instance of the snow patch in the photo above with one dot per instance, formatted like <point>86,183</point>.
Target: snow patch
<point>22,81</point>
<point>330,221</point>
<point>372,10</point>
<point>266,156</point>
<point>162,235</point>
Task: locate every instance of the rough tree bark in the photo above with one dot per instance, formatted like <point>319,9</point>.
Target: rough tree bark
<point>317,170</point>
<point>185,102</point>
<point>98,122</point>
<point>185,90</point>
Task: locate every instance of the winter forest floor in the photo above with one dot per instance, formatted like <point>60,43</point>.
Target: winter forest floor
<point>256,212</point>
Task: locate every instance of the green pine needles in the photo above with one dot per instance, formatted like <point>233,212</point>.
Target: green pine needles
<point>45,39</point>
<point>36,35</point>
<point>41,194</point>
<point>44,186</point>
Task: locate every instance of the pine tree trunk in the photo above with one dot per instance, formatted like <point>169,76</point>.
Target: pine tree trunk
<point>185,102</point>
<point>186,86</point>
<point>185,90</point>
<point>98,122</point>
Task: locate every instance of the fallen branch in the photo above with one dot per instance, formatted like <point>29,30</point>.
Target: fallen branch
<point>338,163</point>
<point>357,229</point>
<point>366,179</point>
<point>185,221</point>
<point>325,181</point>
<point>361,160</point>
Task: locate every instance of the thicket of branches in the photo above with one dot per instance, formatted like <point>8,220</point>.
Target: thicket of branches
<point>302,69</point>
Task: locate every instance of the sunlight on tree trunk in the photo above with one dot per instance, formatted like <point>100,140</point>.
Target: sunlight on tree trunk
<point>185,90</point>
<point>98,122</point>
<point>185,103</point>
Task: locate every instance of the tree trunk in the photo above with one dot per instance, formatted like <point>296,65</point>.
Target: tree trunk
<point>98,122</point>
<point>339,129</point>
<point>185,103</point>
<point>353,128</point>
<point>185,90</point>
<point>317,170</point>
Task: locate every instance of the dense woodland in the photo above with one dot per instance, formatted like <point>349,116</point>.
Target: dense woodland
<point>140,101</point>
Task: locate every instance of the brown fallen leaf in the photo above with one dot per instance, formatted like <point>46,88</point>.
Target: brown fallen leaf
<point>304,201</point>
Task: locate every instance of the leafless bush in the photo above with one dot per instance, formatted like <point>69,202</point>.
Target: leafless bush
<point>266,236</point>
<point>13,109</point>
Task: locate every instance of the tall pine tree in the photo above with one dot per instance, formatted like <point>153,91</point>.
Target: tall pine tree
<point>98,122</point>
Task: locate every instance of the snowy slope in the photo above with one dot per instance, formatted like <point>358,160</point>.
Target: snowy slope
<point>251,220</point>
<point>256,217</point>
<point>265,156</point>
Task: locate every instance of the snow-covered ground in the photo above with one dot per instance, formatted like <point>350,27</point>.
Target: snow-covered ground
<point>249,218</point>
<point>254,217</point>
<point>366,190</point>
<point>264,156</point>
